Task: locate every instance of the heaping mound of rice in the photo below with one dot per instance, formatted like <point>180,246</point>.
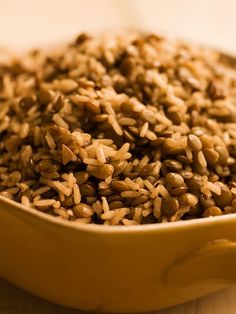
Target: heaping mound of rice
<point>120,130</point>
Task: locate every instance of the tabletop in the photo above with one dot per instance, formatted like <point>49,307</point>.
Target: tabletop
<point>36,23</point>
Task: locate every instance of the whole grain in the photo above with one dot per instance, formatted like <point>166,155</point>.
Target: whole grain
<point>124,129</point>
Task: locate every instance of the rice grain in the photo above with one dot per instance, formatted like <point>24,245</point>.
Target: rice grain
<point>120,130</point>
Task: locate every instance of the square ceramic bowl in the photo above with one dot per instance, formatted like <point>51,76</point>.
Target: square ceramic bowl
<point>115,268</point>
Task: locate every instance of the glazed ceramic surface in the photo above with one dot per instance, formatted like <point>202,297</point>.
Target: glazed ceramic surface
<point>115,269</point>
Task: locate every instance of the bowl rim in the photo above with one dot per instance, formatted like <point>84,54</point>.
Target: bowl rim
<point>19,210</point>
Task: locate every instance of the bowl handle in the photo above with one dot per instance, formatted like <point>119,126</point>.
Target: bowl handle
<point>214,262</point>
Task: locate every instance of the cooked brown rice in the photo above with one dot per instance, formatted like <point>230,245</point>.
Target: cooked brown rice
<point>140,131</point>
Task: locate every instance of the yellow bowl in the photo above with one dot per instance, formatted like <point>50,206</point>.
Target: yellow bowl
<point>115,269</point>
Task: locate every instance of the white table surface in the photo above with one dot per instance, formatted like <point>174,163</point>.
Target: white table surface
<point>26,23</point>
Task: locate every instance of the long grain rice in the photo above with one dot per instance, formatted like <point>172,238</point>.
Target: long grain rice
<point>144,130</point>
<point>62,188</point>
<point>59,121</point>
<point>25,201</point>
<point>100,154</point>
<point>41,190</point>
<point>120,130</point>
<point>105,205</point>
<point>45,202</point>
<point>76,194</point>
<point>115,124</point>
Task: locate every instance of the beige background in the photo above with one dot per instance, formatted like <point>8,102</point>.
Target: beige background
<point>27,23</point>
